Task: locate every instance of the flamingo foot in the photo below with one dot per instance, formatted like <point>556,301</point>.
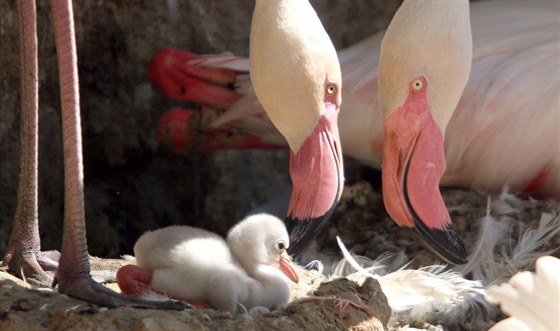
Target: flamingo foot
<point>184,130</point>
<point>35,267</point>
<point>135,281</point>
<point>171,71</point>
<point>340,304</point>
<point>83,287</point>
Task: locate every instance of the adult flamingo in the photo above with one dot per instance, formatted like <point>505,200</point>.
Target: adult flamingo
<point>515,49</point>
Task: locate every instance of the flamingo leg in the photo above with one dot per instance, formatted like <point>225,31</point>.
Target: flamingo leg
<point>23,255</point>
<point>134,280</point>
<point>73,274</point>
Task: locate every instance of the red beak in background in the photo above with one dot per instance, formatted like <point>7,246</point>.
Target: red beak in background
<point>170,70</point>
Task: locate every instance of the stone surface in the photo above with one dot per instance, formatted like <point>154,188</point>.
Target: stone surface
<point>337,305</point>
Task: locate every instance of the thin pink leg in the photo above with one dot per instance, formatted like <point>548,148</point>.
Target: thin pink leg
<point>73,273</point>
<point>23,254</point>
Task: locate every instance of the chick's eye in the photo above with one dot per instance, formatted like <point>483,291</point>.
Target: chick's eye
<point>417,84</point>
<point>331,89</point>
<point>281,245</point>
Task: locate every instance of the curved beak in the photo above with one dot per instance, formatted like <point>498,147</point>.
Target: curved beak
<point>317,178</point>
<point>188,130</point>
<point>171,70</point>
<point>288,268</point>
<point>413,164</point>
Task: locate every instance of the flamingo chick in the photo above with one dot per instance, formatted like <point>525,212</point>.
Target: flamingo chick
<point>192,264</point>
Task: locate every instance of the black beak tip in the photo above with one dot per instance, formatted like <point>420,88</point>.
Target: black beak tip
<point>445,243</point>
<point>302,232</point>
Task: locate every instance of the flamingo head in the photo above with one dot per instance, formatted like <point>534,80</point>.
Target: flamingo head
<point>296,77</point>
<point>423,68</point>
<point>262,239</point>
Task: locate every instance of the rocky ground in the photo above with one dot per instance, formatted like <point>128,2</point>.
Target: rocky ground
<point>316,304</point>
<point>338,305</point>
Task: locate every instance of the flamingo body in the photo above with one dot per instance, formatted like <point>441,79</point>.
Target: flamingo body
<point>504,131</point>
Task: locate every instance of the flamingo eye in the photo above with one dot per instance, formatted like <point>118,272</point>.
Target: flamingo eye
<point>281,245</point>
<point>417,84</point>
<point>331,89</point>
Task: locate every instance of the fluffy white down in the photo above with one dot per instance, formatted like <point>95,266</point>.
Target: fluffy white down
<point>197,265</point>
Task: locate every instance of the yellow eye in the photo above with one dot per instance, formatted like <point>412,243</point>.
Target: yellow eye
<point>331,89</point>
<point>417,84</point>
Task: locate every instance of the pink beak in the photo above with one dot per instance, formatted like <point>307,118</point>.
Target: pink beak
<point>413,164</point>
<point>317,177</point>
<point>288,268</point>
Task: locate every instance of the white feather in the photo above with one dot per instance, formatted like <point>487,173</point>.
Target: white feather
<point>427,295</point>
<point>406,288</point>
<point>494,259</point>
<point>225,61</point>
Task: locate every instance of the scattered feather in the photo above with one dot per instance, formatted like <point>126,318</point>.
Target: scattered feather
<point>257,311</point>
<point>315,265</point>
<point>154,296</point>
<point>75,307</point>
<point>430,294</point>
<point>129,258</point>
<point>494,259</point>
